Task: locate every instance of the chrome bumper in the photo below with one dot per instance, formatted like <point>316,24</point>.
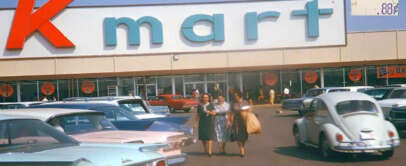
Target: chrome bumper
<point>177,159</point>
<point>363,148</point>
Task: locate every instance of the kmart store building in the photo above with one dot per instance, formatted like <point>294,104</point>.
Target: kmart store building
<point>75,48</point>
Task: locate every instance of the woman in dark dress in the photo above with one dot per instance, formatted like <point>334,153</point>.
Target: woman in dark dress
<point>206,123</point>
<point>238,132</point>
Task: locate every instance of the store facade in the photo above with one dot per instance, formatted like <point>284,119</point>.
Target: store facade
<point>197,46</point>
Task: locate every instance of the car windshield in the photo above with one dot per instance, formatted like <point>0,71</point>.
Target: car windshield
<point>27,135</point>
<point>352,106</point>
<point>134,106</point>
<point>11,106</point>
<point>377,94</point>
<point>82,123</point>
<point>314,92</point>
<point>398,94</point>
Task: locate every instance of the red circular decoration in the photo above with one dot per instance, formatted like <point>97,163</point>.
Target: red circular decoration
<point>355,75</point>
<point>311,77</point>
<point>48,88</point>
<point>6,90</point>
<point>270,79</point>
<point>88,87</point>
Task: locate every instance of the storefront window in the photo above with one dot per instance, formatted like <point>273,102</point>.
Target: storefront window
<point>29,91</point>
<point>88,87</point>
<point>397,74</point>
<point>164,85</point>
<point>376,75</point>
<point>291,81</point>
<point>126,86</point>
<point>354,76</point>
<point>311,79</point>
<point>216,80</point>
<point>48,89</point>
<point>333,77</point>
<point>179,85</point>
<point>67,88</point>
<point>252,86</point>
<point>271,81</point>
<point>8,92</point>
<point>108,87</point>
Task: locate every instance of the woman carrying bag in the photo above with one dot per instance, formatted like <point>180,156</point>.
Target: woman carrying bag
<point>236,122</point>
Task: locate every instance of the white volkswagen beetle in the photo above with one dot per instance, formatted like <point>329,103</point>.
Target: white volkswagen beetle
<point>346,122</point>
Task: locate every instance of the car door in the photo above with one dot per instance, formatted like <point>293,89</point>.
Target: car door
<point>314,124</point>
<point>309,116</point>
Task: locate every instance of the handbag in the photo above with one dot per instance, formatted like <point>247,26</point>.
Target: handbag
<point>253,124</point>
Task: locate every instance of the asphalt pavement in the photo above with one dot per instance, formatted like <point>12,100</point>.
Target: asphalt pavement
<point>276,147</point>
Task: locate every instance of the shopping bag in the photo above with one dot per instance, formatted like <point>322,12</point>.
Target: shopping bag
<point>253,124</point>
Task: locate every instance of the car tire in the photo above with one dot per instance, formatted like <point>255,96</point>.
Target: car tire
<point>388,154</point>
<point>296,135</point>
<point>187,110</point>
<point>325,149</point>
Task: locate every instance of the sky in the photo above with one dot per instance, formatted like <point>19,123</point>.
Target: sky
<point>354,23</point>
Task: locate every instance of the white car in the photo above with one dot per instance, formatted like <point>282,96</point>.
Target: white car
<point>346,122</point>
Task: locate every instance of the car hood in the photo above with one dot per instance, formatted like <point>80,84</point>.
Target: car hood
<point>358,123</point>
<point>118,154</point>
<point>122,136</point>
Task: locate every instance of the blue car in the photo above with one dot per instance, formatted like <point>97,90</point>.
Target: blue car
<point>125,120</point>
<point>25,141</point>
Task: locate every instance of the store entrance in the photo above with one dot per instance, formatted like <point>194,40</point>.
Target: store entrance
<point>146,90</point>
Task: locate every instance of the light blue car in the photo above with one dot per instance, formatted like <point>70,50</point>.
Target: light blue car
<point>25,141</point>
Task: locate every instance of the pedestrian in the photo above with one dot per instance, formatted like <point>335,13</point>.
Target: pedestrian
<point>248,97</point>
<point>220,123</point>
<point>286,92</point>
<point>272,97</point>
<point>205,120</point>
<point>261,96</point>
<point>238,131</point>
<point>216,93</point>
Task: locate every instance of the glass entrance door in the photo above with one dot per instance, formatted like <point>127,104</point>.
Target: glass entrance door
<point>146,91</point>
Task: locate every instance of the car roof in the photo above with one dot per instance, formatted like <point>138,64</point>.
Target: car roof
<point>107,98</point>
<point>13,117</point>
<point>44,114</point>
<point>73,105</point>
<point>337,97</point>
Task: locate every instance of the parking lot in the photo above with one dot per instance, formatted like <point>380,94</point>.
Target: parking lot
<point>276,147</point>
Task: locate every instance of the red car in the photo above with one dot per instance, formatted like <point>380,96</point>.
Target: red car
<point>174,102</point>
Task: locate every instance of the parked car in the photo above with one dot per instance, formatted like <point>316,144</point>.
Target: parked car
<point>299,104</point>
<point>379,93</point>
<point>359,88</point>
<point>125,120</point>
<point>24,141</point>
<point>91,127</point>
<point>346,122</point>
<point>396,98</point>
<point>134,104</point>
<point>16,105</point>
<point>174,102</point>
<point>397,115</point>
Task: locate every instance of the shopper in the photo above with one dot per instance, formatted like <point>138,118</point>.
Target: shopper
<point>220,121</point>
<point>205,120</point>
<point>261,96</point>
<point>247,97</point>
<point>272,96</point>
<point>238,132</point>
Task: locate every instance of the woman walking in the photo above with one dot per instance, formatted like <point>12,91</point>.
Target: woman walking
<point>220,121</point>
<point>206,123</point>
<point>238,131</point>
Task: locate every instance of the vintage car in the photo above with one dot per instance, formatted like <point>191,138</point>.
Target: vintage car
<point>125,120</point>
<point>396,98</point>
<point>134,104</point>
<point>346,122</point>
<point>379,93</point>
<point>91,127</point>
<point>174,102</point>
<point>397,115</point>
<point>25,141</point>
<point>299,104</point>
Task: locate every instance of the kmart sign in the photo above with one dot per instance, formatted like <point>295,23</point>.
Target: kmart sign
<point>180,28</point>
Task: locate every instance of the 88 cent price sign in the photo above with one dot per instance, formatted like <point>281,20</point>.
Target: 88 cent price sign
<point>375,7</point>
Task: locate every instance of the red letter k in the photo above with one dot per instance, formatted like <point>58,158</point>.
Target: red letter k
<point>25,23</point>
